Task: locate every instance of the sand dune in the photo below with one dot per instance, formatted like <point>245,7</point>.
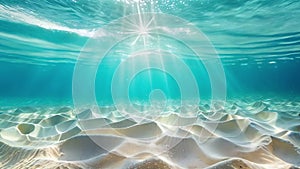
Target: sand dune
<point>241,134</point>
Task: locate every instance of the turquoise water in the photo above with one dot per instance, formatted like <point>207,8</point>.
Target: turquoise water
<point>149,84</point>
<point>258,44</point>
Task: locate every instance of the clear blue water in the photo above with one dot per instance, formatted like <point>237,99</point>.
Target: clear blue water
<point>258,43</point>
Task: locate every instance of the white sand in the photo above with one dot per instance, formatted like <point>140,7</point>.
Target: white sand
<point>243,134</point>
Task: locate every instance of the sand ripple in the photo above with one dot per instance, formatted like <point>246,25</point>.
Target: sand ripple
<point>242,134</point>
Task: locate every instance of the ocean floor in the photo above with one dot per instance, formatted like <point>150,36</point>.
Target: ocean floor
<point>242,134</point>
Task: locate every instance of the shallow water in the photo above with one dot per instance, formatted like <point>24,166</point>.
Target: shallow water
<point>258,43</point>
<point>217,73</point>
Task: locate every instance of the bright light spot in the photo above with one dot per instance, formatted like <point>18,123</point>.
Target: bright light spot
<point>143,31</point>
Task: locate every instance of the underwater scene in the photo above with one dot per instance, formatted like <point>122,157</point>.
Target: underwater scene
<point>149,84</point>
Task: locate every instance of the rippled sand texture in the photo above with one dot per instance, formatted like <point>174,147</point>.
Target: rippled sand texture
<point>243,134</point>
